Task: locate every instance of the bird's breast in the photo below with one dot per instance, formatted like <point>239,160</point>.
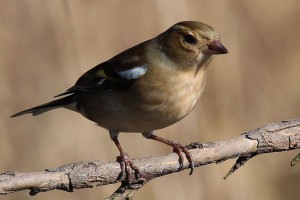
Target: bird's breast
<point>173,98</point>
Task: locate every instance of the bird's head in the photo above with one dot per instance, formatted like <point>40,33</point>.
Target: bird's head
<point>191,43</point>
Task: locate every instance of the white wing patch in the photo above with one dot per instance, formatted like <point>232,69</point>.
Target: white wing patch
<point>134,73</point>
<point>100,82</point>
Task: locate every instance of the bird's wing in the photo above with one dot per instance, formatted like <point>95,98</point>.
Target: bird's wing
<point>115,74</point>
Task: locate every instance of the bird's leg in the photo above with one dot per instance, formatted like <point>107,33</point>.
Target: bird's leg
<point>177,148</point>
<point>126,165</point>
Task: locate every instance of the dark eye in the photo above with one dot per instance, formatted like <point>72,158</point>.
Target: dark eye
<point>191,40</point>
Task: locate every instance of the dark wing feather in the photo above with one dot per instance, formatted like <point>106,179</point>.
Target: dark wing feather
<point>115,74</point>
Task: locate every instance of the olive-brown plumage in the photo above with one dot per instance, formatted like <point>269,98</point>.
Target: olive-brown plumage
<point>147,87</point>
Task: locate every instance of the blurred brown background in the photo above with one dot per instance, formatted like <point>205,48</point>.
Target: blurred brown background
<point>46,45</point>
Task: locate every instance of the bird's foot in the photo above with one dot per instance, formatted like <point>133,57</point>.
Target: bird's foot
<point>127,168</point>
<point>180,149</point>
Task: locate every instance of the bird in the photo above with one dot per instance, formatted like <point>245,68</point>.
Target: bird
<point>145,88</point>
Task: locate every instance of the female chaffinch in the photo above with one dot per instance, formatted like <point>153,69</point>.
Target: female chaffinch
<point>147,87</point>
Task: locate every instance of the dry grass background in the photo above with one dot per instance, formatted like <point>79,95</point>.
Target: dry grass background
<point>46,45</point>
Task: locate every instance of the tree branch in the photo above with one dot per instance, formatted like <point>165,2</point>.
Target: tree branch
<point>276,137</point>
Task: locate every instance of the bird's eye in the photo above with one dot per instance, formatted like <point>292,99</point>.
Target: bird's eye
<point>191,40</point>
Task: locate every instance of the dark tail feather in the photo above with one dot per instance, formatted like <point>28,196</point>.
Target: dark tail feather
<point>47,106</point>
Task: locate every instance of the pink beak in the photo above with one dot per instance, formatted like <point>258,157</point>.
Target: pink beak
<point>215,47</point>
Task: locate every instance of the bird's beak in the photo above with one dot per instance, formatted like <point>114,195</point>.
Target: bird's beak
<point>215,47</point>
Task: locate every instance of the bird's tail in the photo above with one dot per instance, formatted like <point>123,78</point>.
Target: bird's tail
<point>63,102</point>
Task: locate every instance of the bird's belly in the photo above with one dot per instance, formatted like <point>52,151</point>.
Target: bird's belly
<point>114,111</point>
